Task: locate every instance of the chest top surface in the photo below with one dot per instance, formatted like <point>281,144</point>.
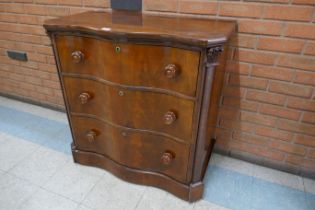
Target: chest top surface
<point>187,30</point>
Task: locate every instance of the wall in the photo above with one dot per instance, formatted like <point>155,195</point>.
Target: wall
<point>267,114</point>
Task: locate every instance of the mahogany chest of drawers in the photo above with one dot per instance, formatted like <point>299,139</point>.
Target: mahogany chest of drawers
<point>141,93</point>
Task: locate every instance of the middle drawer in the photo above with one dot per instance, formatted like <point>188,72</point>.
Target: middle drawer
<point>159,113</point>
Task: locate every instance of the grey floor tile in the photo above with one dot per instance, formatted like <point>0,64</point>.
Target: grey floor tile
<point>156,199</point>
<point>232,164</point>
<point>114,194</point>
<point>279,177</point>
<point>14,191</point>
<point>261,172</point>
<point>205,205</point>
<point>81,207</point>
<point>40,166</point>
<point>152,199</point>
<point>44,200</point>
<point>74,181</point>
<point>3,137</point>
<point>309,185</point>
<point>33,109</point>
<point>13,151</point>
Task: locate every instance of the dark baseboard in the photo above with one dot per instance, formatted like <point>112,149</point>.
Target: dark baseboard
<point>292,169</point>
<point>30,101</point>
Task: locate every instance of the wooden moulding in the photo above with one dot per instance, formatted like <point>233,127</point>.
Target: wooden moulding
<point>172,30</point>
<point>191,193</point>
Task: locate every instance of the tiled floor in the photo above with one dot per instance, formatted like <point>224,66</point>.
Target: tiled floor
<point>37,173</point>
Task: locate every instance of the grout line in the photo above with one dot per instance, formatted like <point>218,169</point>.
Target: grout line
<point>96,183</point>
<point>37,147</point>
<point>141,197</point>
<point>43,188</point>
<point>59,195</point>
<point>28,198</point>
<point>38,188</point>
<point>304,189</point>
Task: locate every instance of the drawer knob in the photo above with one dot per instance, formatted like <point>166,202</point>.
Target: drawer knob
<point>90,136</point>
<point>77,56</point>
<point>84,97</point>
<point>169,117</point>
<point>167,158</point>
<point>171,71</point>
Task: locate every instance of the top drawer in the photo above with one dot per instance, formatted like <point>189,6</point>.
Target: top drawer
<point>161,67</point>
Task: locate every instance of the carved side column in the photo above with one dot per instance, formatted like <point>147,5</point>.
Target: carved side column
<point>210,63</point>
<point>212,55</point>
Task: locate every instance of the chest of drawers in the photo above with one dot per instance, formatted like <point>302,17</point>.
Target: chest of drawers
<point>141,93</point>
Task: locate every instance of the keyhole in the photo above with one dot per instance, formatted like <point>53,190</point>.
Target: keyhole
<point>117,49</point>
<point>120,93</point>
<point>124,134</point>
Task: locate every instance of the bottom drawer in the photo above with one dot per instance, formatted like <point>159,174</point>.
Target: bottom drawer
<point>132,148</point>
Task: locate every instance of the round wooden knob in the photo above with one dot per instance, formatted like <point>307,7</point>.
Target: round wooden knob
<point>171,71</point>
<point>90,136</point>
<point>167,158</point>
<point>77,56</point>
<point>169,117</point>
<point>84,97</point>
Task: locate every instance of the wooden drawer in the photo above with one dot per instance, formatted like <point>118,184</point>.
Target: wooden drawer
<point>130,64</point>
<point>132,108</point>
<point>134,149</point>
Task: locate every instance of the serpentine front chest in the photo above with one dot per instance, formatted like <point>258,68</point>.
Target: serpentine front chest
<point>141,93</point>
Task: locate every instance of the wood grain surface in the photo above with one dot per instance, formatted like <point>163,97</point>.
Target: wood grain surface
<point>173,29</point>
<point>132,65</point>
<point>142,110</point>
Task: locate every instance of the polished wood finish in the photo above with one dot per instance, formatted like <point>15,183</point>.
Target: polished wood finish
<point>142,93</point>
<point>134,64</point>
<point>150,28</point>
<point>190,192</point>
<point>132,108</point>
<point>132,148</point>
